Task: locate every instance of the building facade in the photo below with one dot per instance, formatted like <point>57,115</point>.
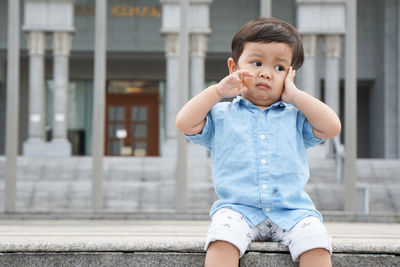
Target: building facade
<point>142,83</point>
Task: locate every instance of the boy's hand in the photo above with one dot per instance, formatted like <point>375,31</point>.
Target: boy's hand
<point>233,84</point>
<point>290,88</point>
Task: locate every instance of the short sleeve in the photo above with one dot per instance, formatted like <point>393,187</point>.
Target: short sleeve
<point>203,138</point>
<point>309,138</point>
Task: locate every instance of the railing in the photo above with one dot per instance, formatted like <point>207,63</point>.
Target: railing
<point>339,157</point>
<point>362,199</point>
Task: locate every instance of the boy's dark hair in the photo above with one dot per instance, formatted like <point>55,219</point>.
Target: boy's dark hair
<point>268,30</point>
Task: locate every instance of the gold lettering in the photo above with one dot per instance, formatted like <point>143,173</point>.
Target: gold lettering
<point>155,12</point>
<point>121,11</point>
<point>84,10</point>
<point>135,11</point>
<point>115,11</point>
<point>124,11</point>
<point>132,11</point>
<point>78,10</point>
<point>90,10</point>
<point>145,11</point>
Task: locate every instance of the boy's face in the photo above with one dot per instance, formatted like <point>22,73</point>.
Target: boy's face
<point>269,63</point>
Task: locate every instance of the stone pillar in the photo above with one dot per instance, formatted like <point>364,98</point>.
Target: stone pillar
<point>172,90</point>
<point>308,70</point>
<point>2,72</point>
<point>266,8</point>
<point>60,146</point>
<point>199,28</point>
<point>390,79</point>
<point>197,78</point>
<point>2,104</point>
<point>197,63</point>
<point>398,79</point>
<point>170,31</point>
<point>34,146</point>
<point>332,49</point>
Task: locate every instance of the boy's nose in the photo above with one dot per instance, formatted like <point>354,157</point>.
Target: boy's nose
<point>265,73</point>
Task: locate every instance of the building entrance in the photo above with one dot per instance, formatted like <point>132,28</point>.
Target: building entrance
<point>132,119</point>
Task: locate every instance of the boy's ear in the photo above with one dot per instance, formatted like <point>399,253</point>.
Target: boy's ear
<point>231,65</point>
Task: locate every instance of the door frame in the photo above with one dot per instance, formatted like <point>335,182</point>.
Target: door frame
<point>139,99</point>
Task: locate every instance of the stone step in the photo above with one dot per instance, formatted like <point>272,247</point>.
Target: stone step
<point>172,243</point>
<point>155,168</point>
<point>139,196</point>
<point>137,184</point>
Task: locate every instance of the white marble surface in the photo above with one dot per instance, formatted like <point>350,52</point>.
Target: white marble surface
<point>169,235</point>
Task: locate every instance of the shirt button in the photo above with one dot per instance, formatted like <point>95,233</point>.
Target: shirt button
<point>264,186</point>
<point>262,115</point>
<point>262,137</point>
<point>263,161</point>
<point>267,209</point>
<point>246,103</point>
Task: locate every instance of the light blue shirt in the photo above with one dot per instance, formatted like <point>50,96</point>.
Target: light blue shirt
<point>259,160</point>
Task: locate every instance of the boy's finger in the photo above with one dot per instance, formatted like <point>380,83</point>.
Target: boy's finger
<point>292,73</point>
<point>244,73</point>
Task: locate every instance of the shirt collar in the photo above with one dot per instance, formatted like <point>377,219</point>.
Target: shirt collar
<point>239,100</point>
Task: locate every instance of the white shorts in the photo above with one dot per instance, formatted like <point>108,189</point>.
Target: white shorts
<point>230,226</point>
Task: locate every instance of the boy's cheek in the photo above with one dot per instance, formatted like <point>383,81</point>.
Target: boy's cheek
<point>248,82</point>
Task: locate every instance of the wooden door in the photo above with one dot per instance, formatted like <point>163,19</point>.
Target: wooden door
<point>132,125</point>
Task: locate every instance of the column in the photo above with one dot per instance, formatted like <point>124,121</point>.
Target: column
<point>172,91</point>
<point>308,70</point>
<point>332,49</point>
<point>2,103</point>
<point>197,63</point>
<point>13,76</point>
<point>172,79</point>
<point>60,146</point>
<point>265,8</point>
<point>198,49</point>
<point>309,82</point>
<point>390,79</point>
<point>2,72</point>
<point>34,146</point>
<point>350,123</point>
<point>398,79</point>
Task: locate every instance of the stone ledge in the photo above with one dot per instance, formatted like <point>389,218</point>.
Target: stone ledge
<point>169,214</point>
<point>172,243</point>
<point>179,246</point>
<point>155,259</point>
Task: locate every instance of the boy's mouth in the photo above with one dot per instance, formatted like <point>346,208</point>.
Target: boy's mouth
<point>263,86</point>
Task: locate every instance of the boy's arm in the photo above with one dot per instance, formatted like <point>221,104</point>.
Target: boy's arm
<point>322,118</point>
<point>192,117</point>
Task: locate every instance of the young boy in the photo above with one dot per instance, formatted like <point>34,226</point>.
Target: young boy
<point>258,145</point>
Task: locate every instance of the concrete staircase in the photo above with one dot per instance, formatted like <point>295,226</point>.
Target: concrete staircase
<point>172,243</point>
<point>143,184</point>
<point>135,228</point>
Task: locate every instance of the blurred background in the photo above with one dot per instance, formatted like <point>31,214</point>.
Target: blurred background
<point>143,92</point>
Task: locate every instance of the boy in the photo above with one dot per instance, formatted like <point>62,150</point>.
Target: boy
<point>258,145</point>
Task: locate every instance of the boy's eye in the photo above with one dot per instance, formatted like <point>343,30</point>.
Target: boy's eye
<point>256,63</point>
<point>279,68</point>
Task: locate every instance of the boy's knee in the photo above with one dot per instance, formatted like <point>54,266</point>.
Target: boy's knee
<point>222,253</point>
<point>316,257</point>
<point>223,246</point>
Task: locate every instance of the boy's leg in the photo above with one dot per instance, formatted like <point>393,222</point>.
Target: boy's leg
<point>309,242</point>
<point>227,238</point>
<point>221,253</point>
<point>317,257</point>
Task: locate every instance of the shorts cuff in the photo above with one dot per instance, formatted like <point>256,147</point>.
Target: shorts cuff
<point>309,243</point>
<point>227,238</point>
